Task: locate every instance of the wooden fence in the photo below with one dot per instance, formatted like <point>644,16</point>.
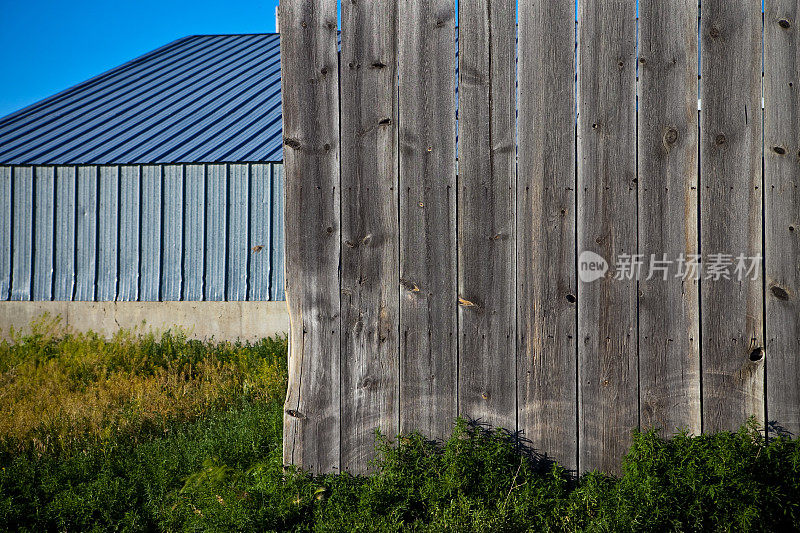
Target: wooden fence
<point>423,286</point>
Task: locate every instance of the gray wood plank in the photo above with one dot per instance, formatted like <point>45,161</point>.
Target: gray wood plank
<point>238,233</point>
<point>545,195</point>
<point>86,250</point>
<point>194,233</point>
<point>277,270</point>
<point>64,253</point>
<point>172,234</point>
<point>607,334</point>
<point>370,240</point>
<point>486,229</point>
<point>428,284</point>
<point>5,231</point>
<point>129,227</point>
<point>730,211</point>
<point>22,233</point>
<point>44,206</point>
<point>108,234</point>
<point>310,88</point>
<point>669,309</point>
<point>216,231</point>
<point>151,213</point>
<point>782,211</point>
<point>261,220</point>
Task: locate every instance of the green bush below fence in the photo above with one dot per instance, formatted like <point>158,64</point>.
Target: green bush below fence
<point>217,466</point>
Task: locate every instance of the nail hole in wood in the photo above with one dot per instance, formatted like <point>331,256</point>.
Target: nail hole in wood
<point>783,23</point>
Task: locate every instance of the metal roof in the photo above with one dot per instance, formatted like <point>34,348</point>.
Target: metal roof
<point>200,99</point>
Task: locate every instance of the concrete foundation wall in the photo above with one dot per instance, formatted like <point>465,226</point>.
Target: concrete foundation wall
<point>202,320</point>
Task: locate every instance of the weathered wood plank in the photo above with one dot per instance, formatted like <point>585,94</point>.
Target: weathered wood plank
<point>607,334</point>
<point>216,231</point>
<point>86,249</point>
<point>43,256</point>
<point>65,237</point>
<point>152,211</point>
<point>428,285</point>
<point>22,233</point>
<point>730,211</point>
<point>669,306</point>
<point>545,195</point>
<point>486,232</point>
<point>369,294</point>
<point>194,233</point>
<point>310,88</point>
<point>782,211</point>
<point>129,227</point>
<point>108,233</point>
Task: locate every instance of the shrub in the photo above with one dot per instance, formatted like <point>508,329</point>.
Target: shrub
<point>59,390</point>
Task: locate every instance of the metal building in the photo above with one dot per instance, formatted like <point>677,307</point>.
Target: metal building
<point>159,180</point>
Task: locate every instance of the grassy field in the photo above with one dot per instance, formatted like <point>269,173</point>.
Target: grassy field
<point>146,432</point>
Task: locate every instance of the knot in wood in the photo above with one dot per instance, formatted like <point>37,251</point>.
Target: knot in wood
<point>714,32</point>
<point>780,150</point>
<point>295,414</point>
<point>670,136</point>
<point>757,354</point>
<point>720,139</point>
<point>779,292</point>
<point>785,24</point>
<point>291,143</point>
<point>409,285</point>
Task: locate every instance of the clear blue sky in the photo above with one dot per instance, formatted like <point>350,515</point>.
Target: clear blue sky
<point>49,45</point>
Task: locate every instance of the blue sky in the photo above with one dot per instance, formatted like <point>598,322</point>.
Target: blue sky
<point>49,45</point>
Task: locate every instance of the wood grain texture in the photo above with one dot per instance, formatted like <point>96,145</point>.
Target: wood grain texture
<point>370,238</point>
<point>428,290</point>
<point>486,232</point>
<point>310,88</point>
<point>545,196</point>
<point>669,306</point>
<point>730,211</point>
<point>782,211</point>
<point>607,346</point>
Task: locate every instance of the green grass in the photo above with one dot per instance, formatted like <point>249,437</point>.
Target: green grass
<point>214,462</point>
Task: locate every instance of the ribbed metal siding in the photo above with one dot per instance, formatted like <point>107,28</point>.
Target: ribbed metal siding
<point>5,233</point>
<point>86,238</point>
<point>150,232</point>
<point>203,98</point>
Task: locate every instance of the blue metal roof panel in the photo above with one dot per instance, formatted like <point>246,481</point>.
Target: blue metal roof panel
<point>202,98</point>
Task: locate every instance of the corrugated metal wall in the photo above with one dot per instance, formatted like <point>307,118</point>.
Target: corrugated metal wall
<point>142,232</point>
